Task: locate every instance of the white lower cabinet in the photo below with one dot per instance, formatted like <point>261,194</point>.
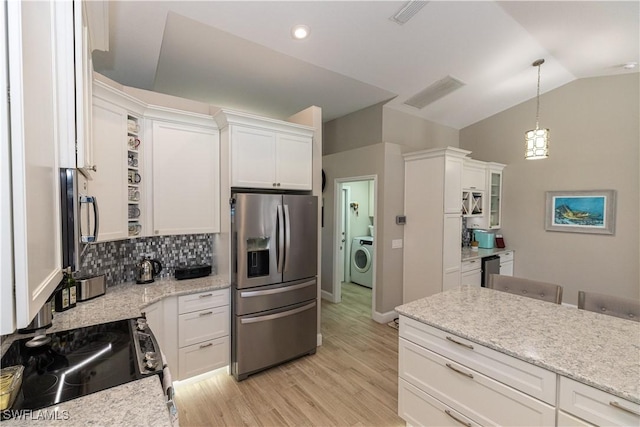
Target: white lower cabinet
<point>418,408</point>
<point>568,420</point>
<point>471,273</point>
<point>203,357</point>
<point>596,406</point>
<point>203,334</point>
<point>506,263</point>
<point>199,341</point>
<point>472,382</point>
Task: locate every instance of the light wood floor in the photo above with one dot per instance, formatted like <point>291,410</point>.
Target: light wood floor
<point>352,380</point>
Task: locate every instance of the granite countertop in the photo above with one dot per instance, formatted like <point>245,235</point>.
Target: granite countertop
<point>592,348</point>
<point>139,402</point>
<point>468,254</point>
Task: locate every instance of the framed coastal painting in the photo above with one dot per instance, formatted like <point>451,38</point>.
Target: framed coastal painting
<point>581,211</point>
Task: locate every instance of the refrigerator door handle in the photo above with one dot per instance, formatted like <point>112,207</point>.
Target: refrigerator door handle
<point>287,237</point>
<point>277,315</point>
<point>91,238</point>
<point>281,233</point>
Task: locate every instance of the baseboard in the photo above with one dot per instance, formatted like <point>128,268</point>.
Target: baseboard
<point>328,296</point>
<point>319,340</point>
<point>384,317</point>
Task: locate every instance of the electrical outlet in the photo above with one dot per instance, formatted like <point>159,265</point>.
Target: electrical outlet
<point>396,244</point>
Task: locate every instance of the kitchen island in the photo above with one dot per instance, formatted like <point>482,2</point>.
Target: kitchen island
<point>140,402</point>
<point>553,362</point>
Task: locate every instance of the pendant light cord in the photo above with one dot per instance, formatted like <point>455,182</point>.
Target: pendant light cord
<point>538,99</point>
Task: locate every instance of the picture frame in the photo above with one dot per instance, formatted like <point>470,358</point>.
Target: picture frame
<point>591,211</point>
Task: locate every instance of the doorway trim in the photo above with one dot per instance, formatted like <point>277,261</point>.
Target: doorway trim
<point>338,210</point>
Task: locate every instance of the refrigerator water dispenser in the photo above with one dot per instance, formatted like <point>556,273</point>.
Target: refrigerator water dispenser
<point>258,256</point>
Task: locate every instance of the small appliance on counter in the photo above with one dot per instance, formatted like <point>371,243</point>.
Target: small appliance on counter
<point>91,287</point>
<point>147,270</point>
<point>42,319</point>
<point>192,272</point>
<point>485,239</point>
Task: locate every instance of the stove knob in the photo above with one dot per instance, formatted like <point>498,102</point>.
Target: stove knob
<point>142,324</point>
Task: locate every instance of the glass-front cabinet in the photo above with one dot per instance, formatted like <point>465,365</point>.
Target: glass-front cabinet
<point>494,178</point>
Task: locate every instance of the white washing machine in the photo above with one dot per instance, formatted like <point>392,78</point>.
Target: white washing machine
<point>362,261</point>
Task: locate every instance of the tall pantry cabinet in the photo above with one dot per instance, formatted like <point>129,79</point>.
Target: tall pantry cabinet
<point>433,188</point>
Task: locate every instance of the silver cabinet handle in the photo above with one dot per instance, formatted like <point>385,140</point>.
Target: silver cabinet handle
<point>619,406</point>
<point>205,295</point>
<point>464,423</point>
<point>470,347</point>
<point>206,313</point>
<point>206,345</point>
<point>246,294</point>
<point>453,368</point>
<point>278,315</point>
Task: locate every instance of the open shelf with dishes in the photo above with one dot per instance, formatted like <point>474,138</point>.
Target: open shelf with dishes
<point>134,177</point>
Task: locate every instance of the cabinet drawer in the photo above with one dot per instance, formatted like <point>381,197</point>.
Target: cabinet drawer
<point>417,408</point>
<point>203,325</point>
<point>596,406</point>
<point>568,420</point>
<point>477,396</point>
<point>199,301</point>
<point>522,376</point>
<point>473,264</point>
<point>506,256</point>
<point>204,357</point>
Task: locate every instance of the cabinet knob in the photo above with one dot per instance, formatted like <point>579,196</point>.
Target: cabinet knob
<point>274,184</point>
<point>278,184</point>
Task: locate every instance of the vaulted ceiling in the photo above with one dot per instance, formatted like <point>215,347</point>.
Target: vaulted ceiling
<point>240,54</point>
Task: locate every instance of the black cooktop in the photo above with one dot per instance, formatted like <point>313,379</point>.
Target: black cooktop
<point>75,363</point>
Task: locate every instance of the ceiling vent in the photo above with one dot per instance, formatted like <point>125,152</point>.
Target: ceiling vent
<point>408,11</point>
<point>434,92</point>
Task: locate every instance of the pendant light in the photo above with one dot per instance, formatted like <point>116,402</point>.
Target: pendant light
<point>537,140</point>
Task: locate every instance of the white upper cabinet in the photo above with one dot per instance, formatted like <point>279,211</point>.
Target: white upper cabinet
<point>253,158</point>
<point>109,181</point>
<point>267,153</point>
<point>474,175</point>
<point>186,178</point>
<point>39,117</point>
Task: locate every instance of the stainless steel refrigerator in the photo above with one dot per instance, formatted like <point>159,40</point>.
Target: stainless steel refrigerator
<point>274,287</point>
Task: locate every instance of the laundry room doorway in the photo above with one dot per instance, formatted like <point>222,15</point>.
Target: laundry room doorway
<point>354,263</point>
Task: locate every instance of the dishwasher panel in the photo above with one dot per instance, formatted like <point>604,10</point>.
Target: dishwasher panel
<point>490,265</point>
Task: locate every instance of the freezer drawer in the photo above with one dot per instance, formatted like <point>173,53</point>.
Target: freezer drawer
<point>263,298</point>
<point>273,337</point>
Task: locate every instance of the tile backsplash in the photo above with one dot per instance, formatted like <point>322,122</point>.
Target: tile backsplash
<point>117,259</point>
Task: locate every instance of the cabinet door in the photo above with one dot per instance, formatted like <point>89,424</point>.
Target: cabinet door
<point>109,184</point>
<point>83,88</point>
<point>154,314</point>
<point>473,278</point>
<point>186,179</point>
<point>452,185</point>
<point>253,154</point>
<point>495,196</point>
<point>294,162</point>
<point>34,122</point>
<point>451,251</point>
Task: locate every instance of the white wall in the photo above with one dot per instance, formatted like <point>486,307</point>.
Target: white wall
<point>595,134</point>
<point>359,221</point>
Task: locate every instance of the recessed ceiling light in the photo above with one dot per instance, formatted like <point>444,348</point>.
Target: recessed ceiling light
<point>630,65</point>
<point>300,32</point>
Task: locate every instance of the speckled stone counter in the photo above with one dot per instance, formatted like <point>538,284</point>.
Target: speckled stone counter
<point>467,254</point>
<point>139,402</point>
<point>592,348</point>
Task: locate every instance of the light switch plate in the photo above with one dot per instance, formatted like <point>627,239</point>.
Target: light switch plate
<point>396,243</point>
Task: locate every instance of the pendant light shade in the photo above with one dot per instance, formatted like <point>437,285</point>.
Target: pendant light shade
<point>537,140</point>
